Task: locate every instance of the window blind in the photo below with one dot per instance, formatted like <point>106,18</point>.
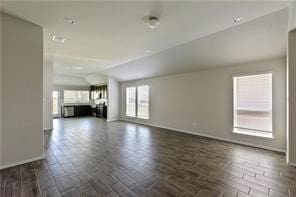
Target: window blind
<point>143,102</point>
<point>76,96</point>
<point>131,101</point>
<point>253,102</point>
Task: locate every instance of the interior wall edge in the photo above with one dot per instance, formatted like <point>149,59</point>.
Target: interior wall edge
<point>291,158</point>
<point>292,18</point>
<point>22,139</point>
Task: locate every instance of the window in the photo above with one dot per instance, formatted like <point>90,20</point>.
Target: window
<point>76,96</point>
<point>55,102</point>
<point>253,105</point>
<point>143,102</point>
<point>131,101</point>
<point>137,102</point>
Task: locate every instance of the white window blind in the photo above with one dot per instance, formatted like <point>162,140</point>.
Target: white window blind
<point>76,96</point>
<point>253,102</point>
<point>143,102</point>
<point>131,101</point>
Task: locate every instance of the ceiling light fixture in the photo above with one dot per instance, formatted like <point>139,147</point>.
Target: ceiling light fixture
<point>58,39</point>
<point>239,19</point>
<point>149,51</point>
<point>153,22</point>
<point>69,21</point>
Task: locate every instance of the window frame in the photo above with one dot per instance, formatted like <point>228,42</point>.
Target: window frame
<point>247,131</point>
<point>136,103</point>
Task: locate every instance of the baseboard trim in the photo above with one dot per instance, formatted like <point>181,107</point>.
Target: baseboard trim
<point>22,162</point>
<point>209,136</point>
<point>111,120</point>
<point>47,129</point>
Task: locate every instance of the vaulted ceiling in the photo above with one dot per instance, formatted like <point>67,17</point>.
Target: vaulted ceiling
<point>113,38</point>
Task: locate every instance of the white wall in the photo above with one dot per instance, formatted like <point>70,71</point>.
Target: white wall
<point>21,91</point>
<point>291,139</point>
<point>47,92</point>
<point>113,99</point>
<point>69,80</point>
<point>96,78</point>
<point>205,98</point>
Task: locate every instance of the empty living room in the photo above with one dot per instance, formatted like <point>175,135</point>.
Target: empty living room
<point>148,98</point>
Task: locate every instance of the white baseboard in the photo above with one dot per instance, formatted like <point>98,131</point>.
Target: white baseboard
<point>210,136</point>
<point>22,162</point>
<point>46,129</point>
<point>113,119</point>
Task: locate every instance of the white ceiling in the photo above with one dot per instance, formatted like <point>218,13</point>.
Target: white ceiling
<point>108,35</point>
<point>261,39</point>
<point>72,81</point>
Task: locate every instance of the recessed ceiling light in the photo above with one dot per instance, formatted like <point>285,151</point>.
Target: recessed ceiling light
<point>239,19</point>
<point>149,51</point>
<point>58,39</point>
<point>77,67</point>
<point>69,20</point>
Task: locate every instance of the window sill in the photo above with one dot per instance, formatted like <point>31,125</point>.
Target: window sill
<point>253,133</point>
<point>142,117</point>
<point>130,116</point>
<point>139,117</point>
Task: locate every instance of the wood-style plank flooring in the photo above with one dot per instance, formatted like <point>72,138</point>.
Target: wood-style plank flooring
<point>89,157</point>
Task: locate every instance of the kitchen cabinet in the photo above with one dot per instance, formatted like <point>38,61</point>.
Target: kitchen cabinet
<point>76,110</point>
<point>98,92</point>
<point>100,111</point>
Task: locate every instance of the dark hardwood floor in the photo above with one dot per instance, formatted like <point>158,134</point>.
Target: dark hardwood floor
<point>89,157</point>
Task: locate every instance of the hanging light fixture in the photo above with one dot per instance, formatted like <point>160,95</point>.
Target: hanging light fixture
<point>153,22</point>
